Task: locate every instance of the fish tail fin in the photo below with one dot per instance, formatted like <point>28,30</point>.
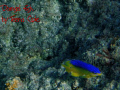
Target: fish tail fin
<point>66,67</point>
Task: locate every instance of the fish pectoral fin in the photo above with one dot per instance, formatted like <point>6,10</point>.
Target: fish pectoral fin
<point>75,74</point>
<point>91,75</point>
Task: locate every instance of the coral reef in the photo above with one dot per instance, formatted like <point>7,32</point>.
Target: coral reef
<point>14,84</point>
<point>31,53</point>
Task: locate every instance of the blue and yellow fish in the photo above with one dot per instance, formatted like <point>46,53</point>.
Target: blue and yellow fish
<point>79,68</point>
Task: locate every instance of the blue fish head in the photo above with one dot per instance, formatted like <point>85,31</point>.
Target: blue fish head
<point>84,65</point>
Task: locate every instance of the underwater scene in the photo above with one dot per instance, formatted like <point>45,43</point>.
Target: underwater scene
<point>59,44</point>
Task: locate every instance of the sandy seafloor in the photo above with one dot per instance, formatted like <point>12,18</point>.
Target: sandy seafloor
<point>31,52</point>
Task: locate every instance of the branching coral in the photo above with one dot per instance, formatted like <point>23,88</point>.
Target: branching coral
<point>12,85</point>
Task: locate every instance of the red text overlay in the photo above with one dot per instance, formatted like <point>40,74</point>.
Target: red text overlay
<point>16,9</point>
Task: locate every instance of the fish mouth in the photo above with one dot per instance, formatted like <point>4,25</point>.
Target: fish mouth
<point>98,74</point>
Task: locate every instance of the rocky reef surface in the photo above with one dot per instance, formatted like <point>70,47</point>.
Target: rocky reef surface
<point>32,50</point>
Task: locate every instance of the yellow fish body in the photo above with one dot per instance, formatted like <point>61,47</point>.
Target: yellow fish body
<point>79,72</point>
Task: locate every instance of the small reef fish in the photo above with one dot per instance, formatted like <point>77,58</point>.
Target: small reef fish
<point>79,68</point>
